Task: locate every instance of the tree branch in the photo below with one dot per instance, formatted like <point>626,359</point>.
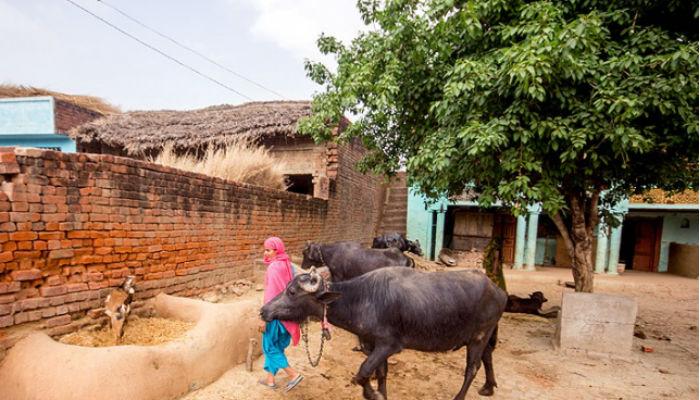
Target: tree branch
<point>561,225</point>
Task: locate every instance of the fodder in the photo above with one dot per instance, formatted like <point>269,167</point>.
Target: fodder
<point>137,331</point>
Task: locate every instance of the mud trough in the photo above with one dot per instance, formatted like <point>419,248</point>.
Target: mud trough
<point>39,367</point>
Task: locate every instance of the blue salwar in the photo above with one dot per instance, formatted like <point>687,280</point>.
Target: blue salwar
<point>274,340</point>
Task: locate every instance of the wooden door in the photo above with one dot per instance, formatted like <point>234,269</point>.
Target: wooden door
<point>509,223</point>
<point>647,242</point>
<point>472,230</point>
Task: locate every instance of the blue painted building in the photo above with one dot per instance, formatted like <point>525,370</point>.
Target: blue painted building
<point>41,121</point>
<point>643,242</point>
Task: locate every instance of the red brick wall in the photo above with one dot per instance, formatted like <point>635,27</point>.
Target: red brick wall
<point>74,225</point>
<point>68,115</point>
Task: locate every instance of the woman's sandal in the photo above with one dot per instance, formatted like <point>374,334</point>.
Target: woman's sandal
<point>293,383</point>
<point>263,382</point>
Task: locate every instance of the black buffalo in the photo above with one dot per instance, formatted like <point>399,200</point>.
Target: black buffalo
<point>392,309</point>
<point>533,305</point>
<point>346,260</point>
<point>398,241</point>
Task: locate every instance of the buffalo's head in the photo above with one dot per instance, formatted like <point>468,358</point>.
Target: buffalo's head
<point>304,296</point>
<point>312,256</point>
<point>414,247</point>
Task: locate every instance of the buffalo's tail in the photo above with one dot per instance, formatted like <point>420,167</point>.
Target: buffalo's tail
<point>494,337</point>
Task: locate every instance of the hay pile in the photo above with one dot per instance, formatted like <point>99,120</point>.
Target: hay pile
<point>423,264</point>
<point>661,197</point>
<point>138,331</point>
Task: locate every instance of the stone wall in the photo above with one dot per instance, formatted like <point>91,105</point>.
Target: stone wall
<point>74,225</point>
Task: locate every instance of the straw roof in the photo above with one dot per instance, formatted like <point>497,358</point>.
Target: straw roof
<point>88,102</point>
<point>140,131</point>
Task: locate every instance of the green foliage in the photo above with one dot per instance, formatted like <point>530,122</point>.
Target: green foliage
<point>523,101</point>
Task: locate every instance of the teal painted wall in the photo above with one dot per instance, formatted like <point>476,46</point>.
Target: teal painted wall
<point>27,115</point>
<point>419,222</point>
<point>672,231</point>
<point>545,251</point>
<point>29,122</point>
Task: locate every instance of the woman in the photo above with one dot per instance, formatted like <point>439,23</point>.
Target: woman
<point>277,334</point>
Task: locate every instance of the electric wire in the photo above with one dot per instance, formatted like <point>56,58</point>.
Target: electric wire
<point>160,51</point>
<point>225,68</point>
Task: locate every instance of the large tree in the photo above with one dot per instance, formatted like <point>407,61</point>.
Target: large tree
<point>570,104</point>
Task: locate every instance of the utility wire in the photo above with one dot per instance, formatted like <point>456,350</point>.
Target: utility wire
<point>223,85</point>
<point>190,49</point>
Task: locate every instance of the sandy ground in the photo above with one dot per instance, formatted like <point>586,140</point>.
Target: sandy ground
<point>526,365</point>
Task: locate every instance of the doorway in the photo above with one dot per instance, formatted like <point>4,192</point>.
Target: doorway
<point>641,243</point>
<point>471,229</point>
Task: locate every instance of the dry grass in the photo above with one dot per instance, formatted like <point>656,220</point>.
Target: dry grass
<point>137,331</point>
<point>241,161</point>
<point>89,102</point>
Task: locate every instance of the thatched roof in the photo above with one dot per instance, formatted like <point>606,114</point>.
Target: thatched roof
<point>139,131</point>
<point>89,102</point>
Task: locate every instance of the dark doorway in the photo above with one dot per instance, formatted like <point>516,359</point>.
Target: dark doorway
<point>641,243</point>
<point>302,183</point>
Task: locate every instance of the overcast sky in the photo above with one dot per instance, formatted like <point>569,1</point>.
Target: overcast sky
<point>55,45</point>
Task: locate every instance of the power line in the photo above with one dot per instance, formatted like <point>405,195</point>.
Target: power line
<point>160,52</point>
<point>190,49</point>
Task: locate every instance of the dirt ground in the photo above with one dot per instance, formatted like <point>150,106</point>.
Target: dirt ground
<point>526,365</point>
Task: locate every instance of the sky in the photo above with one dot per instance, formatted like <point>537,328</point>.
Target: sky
<point>54,45</point>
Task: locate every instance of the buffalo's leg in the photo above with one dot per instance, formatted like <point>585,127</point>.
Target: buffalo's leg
<point>486,358</point>
<point>378,357</point>
<point>381,372</point>
<point>475,349</point>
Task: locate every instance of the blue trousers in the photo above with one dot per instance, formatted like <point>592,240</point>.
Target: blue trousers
<point>274,341</point>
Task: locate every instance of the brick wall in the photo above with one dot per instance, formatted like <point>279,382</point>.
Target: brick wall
<point>74,225</point>
<point>68,115</point>
<point>354,197</point>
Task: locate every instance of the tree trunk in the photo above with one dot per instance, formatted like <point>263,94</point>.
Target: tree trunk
<point>493,254</point>
<point>577,233</point>
<point>582,264</point>
<point>493,262</point>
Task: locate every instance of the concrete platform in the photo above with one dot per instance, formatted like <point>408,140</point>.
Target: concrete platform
<point>596,323</point>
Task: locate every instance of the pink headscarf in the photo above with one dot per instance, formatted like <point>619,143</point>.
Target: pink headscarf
<point>279,274</point>
<point>277,245</point>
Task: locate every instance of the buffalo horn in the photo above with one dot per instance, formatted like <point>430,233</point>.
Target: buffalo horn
<point>313,283</point>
